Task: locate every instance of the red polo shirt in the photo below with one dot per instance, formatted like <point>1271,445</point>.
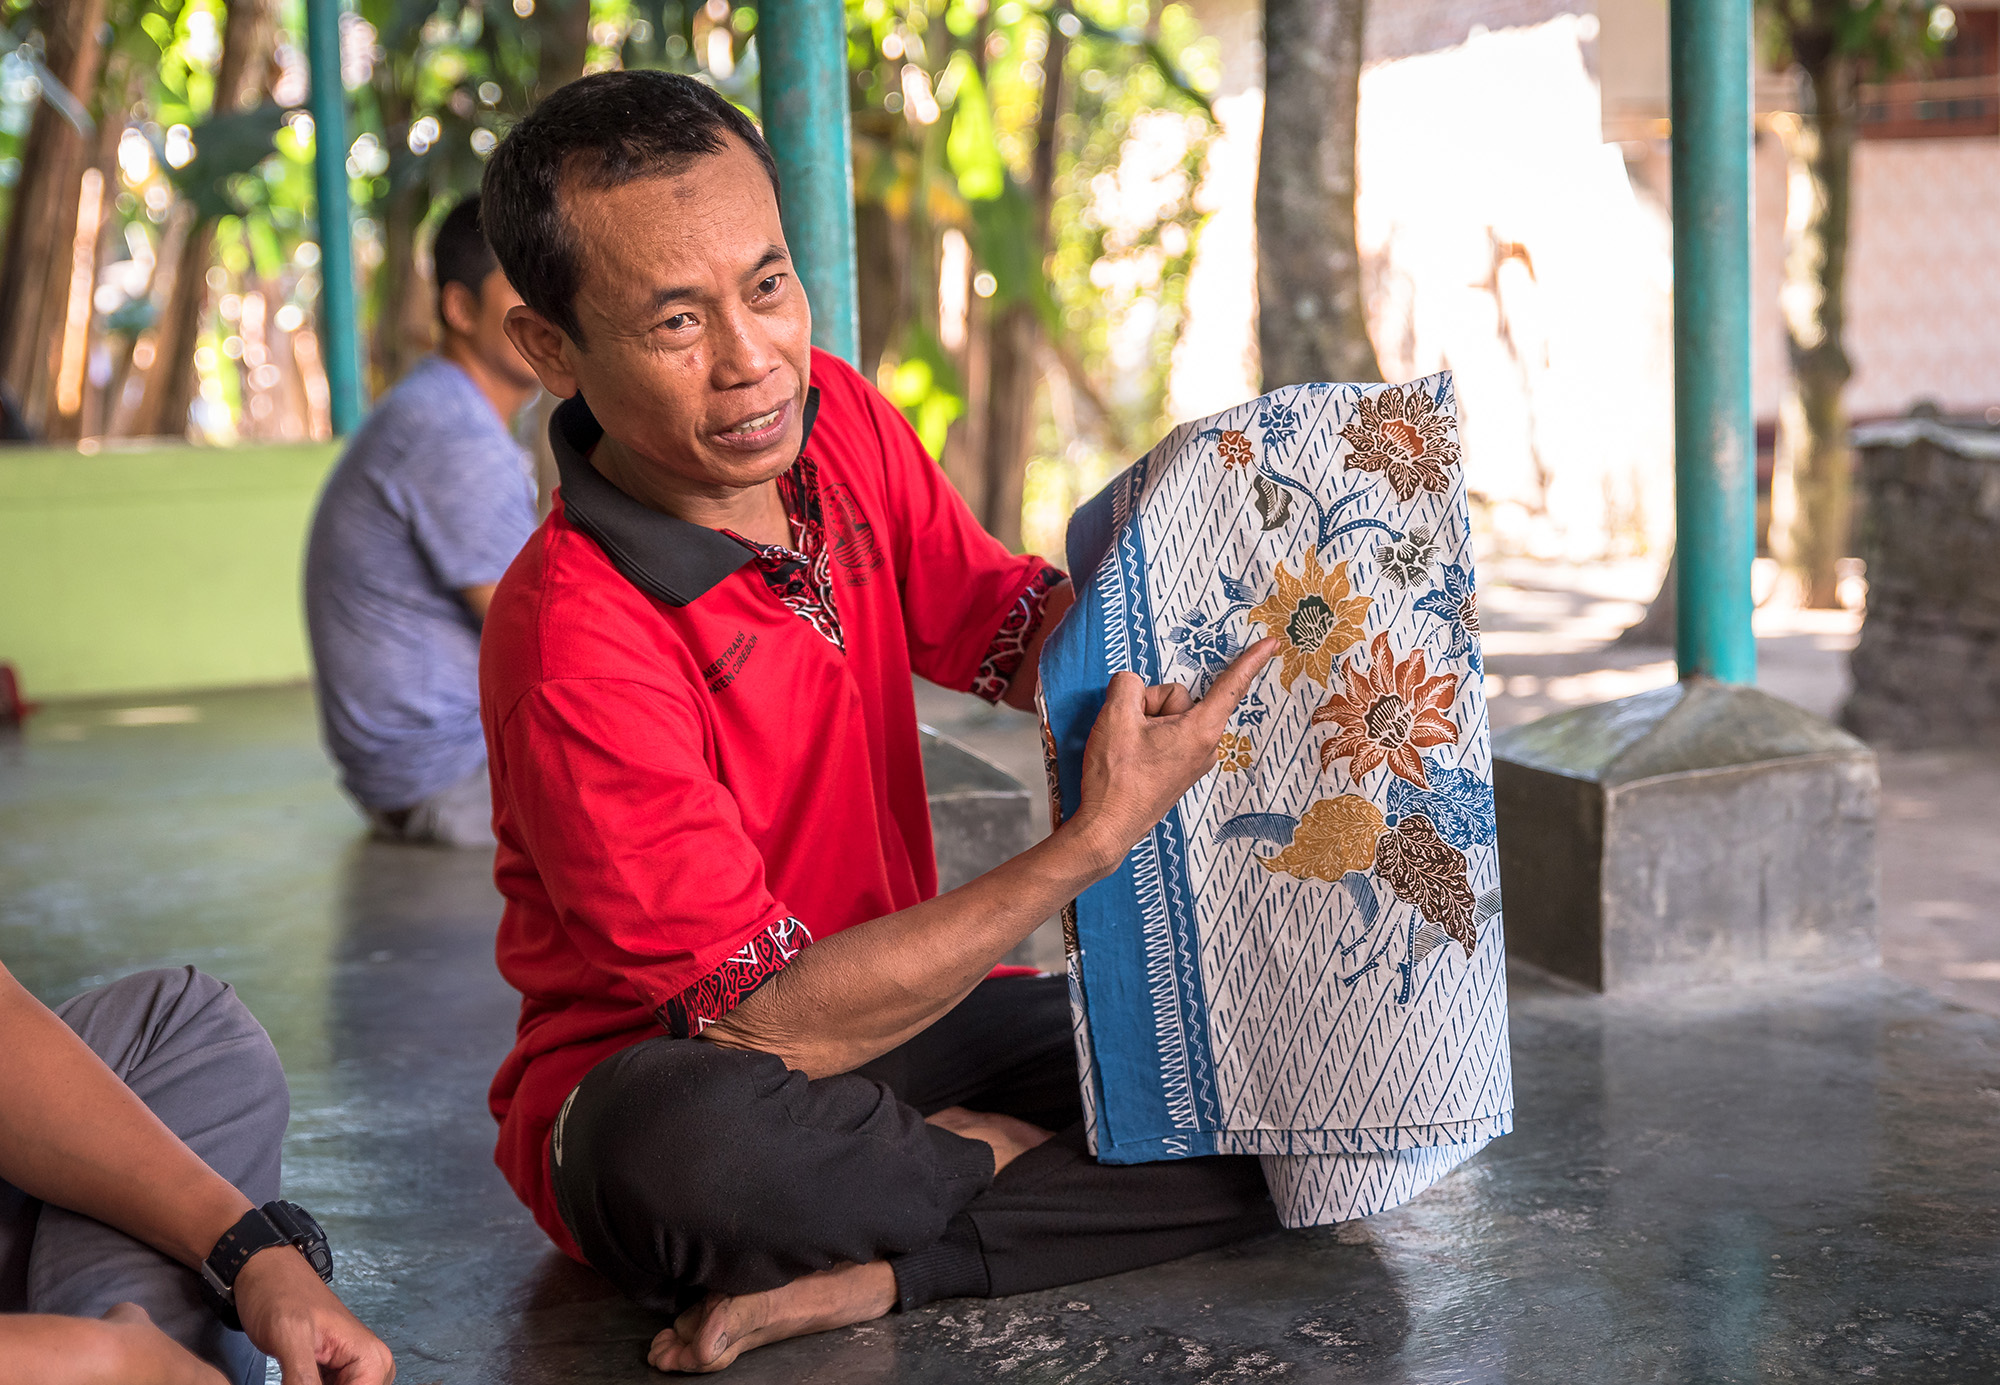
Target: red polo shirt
<point>704,756</point>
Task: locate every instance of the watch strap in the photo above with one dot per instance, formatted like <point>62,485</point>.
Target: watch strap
<point>254,1231</point>
<point>276,1223</point>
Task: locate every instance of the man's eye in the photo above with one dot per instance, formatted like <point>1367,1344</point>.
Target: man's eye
<point>770,285</point>
<point>678,321</point>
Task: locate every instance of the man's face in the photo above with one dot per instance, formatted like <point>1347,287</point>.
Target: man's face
<point>699,334</point>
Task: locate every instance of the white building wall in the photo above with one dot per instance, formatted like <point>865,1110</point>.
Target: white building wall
<point>1503,237</point>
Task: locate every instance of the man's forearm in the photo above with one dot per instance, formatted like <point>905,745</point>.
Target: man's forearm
<point>861,992</point>
<point>44,1349</point>
<point>72,1134</point>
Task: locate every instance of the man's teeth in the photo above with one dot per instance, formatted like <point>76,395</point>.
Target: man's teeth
<point>759,423</point>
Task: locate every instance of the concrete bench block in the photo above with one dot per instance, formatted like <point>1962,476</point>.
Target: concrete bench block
<point>1698,833</point>
<point>979,812</point>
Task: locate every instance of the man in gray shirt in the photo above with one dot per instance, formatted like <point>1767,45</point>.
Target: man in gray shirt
<point>427,507</point>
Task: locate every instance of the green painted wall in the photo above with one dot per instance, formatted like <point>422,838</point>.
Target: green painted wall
<point>158,570</point>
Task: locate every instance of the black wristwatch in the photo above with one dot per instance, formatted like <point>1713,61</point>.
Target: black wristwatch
<point>273,1224</point>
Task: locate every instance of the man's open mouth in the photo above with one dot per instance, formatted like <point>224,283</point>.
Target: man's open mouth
<point>750,426</point>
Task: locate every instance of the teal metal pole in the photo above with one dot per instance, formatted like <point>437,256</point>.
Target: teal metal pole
<point>1715,444</point>
<point>802,53</point>
<point>340,341</point>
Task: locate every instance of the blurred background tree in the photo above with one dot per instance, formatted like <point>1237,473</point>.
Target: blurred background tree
<point>1833,46</point>
<point>1025,177</point>
<point>1312,318</point>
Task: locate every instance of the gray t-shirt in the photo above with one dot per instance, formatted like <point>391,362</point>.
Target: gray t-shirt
<point>433,495</point>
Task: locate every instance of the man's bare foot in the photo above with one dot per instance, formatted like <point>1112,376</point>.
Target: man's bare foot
<point>715,1332</point>
<point>1009,1136</point>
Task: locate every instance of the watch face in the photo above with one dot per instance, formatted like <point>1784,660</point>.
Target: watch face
<point>303,1232</point>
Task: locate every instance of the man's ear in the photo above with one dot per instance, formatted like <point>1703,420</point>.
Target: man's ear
<point>540,343</point>
<point>459,307</point>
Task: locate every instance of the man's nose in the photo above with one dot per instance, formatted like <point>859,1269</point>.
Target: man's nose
<point>744,351</point>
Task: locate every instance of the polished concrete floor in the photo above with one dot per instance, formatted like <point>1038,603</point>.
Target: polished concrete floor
<point>1799,1183</point>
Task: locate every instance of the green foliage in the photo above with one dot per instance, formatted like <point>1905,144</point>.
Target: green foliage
<point>925,385</point>
<point>973,146</point>
<point>227,150</point>
<point>946,93</point>
<point>1884,36</point>
<point>945,123</point>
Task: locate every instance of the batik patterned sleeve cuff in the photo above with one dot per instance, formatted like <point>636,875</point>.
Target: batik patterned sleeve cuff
<point>1010,642</point>
<point>743,971</point>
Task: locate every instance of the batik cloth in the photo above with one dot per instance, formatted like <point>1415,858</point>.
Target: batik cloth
<point>1304,960</point>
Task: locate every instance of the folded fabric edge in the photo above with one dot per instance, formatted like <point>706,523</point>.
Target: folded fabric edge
<point>1387,1140</point>
<point>1321,1189</point>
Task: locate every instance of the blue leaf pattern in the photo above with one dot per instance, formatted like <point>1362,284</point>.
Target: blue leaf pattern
<point>1458,802</point>
<point>1279,421</point>
<point>1205,644</point>
<point>1448,604</point>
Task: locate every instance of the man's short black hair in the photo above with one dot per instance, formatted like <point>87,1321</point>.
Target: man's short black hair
<point>460,254</point>
<point>602,131</point>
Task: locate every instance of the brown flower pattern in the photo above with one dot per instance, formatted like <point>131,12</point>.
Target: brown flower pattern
<point>1335,836</point>
<point>1429,872</point>
<point>1234,752</point>
<point>1401,433</point>
<point>1315,616</point>
<point>1387,712</point>
<point>1235,450</point>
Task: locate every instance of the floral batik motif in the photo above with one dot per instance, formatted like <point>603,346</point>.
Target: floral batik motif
<point>1385,711</point>
<point>1305,960</point>
<point>1315,615</point>
<point>1457,605</point>
<point>1235,752</point>
<point>1404,436</point>
<point>1335,836</point>
<point>1407,561</point>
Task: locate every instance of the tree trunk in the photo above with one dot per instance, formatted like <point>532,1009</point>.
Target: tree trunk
<point>1013,370</point>
<point>69,415</point>
<point>564,29</point>
<point>402,304</point>
<point>1810,500</point>
<point>1312,321</point>
<point>42,223</point>
<point>1659,627</point>
<point>240,78</point>
<point>403,296</point>
<point>883,265</point>
<point>964,458</point>
<point>1010,420</point>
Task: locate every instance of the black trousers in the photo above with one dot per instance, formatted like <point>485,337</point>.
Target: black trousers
<point>685,1169</point>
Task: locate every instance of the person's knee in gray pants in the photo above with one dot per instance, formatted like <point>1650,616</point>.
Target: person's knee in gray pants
<point>190,1050</point>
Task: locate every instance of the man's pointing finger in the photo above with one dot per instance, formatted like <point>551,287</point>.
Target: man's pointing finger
<point>1234,683</point>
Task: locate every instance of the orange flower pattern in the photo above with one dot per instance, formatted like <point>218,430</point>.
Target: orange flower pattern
<point>1387,712</point>
<point>1403,434</point>
<point>1235,450</point>
<point>1429,872</point>
<point>1315,616</point>
<point>1235,753</point>
<point>1335,836</point>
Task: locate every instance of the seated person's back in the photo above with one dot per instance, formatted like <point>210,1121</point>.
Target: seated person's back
<point>427,507</point>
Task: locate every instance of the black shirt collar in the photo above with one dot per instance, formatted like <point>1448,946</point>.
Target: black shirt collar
<point>666,558</point>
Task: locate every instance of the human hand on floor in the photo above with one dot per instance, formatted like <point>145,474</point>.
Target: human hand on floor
<point>1151,745</point>
<point>290,1315</point>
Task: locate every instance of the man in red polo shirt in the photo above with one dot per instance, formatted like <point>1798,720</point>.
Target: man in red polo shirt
<point>762,1078</point>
